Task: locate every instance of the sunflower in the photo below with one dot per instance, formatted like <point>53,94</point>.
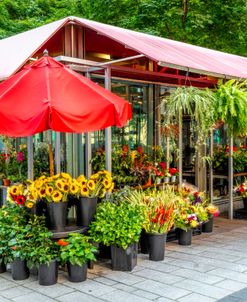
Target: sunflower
<point>74,188</point>
<point>107,182</point>
<point>38,183</point>
<point>94,176</point>
<point>56,196</point>
<point>65,188</point>
<point>59,184</point>
<point>107,173</point>
<point>81,178</point>
<point>14,190</point>
<point>84,191</point>
<point>65,175</point>
<point>41,192</point>
<point>49,190</point>
<point>91,185</point>
<point>29,205</point>
<point>34,193</point>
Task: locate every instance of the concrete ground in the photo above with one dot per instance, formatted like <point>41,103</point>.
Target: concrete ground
<point>213,268</point>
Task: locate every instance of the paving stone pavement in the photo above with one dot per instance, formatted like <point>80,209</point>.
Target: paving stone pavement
<point>213,268</point>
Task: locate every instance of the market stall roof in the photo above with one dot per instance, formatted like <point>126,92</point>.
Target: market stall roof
<point>16,50</point>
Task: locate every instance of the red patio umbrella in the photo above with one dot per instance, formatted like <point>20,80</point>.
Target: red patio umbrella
<point>48,95</point>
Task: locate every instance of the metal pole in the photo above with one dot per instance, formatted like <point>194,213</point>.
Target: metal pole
<point>58,152</point>
<point>88,154</point>
<point>230,177</point>
<point>211,176</point>
<point>108,138</point>
<point>88,148</point>
<point>180,147</point>
<point>30,173</point>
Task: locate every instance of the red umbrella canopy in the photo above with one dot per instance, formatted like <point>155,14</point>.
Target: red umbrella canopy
<point>47,95</point>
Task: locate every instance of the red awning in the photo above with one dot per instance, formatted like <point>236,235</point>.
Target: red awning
<point>47,95</point>
<point>166,52</point>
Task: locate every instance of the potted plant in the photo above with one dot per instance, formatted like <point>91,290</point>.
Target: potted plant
<point>159,213</point>
<point>118,225</point>
<point>76,251</point>
<point>185,221</point>
<point>13,219</point>
<point>212,212</point>
<point>55,191</point>
<point>174,173</point>
<point>41,252</point>
<point>90,189</point>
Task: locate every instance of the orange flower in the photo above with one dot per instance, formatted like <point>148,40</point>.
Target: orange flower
<point>61,242</point>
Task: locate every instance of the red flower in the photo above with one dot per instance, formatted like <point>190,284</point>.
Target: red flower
<point>20,199</point>
<point>241,189</point>
<point>163,165</point>
<point>234,148</point>
<point>173,171</point>
<point>216,214</point>
<point>140,150</point>
<point>125,148</point>
<point>61,242</point>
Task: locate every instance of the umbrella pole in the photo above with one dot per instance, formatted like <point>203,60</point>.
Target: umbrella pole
<point>51,160</point>
<point>30,158</point>
<point>108,138</point>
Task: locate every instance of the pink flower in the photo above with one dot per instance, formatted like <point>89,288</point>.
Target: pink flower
<point>20,156</point>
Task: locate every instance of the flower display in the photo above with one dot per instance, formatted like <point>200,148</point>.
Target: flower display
<point>242,189</point>
<point>98,184</point>
<point>212,210</point>
<point>21,195</point>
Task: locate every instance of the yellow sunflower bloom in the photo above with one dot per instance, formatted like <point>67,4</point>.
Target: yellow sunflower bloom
<point>59,184</point>
<point>91,185</point>
<point>107,173</point>
<point>112,187</point>
<point>49,190</point>
<point>41,192</point>
<point>38,184</point>
<point>14,190</point>
<point>56,196</point>
<point>81,178</point>
<point>84,191</point>
<point>94,176</point>
<point>66,188</point>
<point>65,175</point>
<point>74,188</point>
<point>107,182</point>
<point>29,205</point>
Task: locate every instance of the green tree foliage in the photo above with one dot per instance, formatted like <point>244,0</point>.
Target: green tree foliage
<point>217,24</point>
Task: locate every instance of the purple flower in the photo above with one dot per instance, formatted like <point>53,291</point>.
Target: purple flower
<point>20,156</point>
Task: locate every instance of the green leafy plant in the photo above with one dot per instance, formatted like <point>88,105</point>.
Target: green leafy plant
<point>198,103</point>
<point>39,249</point>
<point>117,224</point>
<point>76,249</point>
<point>231,106</point>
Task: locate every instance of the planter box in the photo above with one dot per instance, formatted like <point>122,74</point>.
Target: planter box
<point>124,260</point>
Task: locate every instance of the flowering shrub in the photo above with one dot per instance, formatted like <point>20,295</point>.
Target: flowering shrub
<point>185,216</point>
<point>97,185</point>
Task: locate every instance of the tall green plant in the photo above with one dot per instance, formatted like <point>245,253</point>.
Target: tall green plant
<point>231,106</point>
<point>198,103</point>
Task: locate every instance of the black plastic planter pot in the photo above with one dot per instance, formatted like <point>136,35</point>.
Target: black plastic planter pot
<point>245,203</point>
<point>144,242</point>
<point>77,273</point>
<point>2,267</point>
<point>85,210</point>
<point>124,260</point>
<point>156,243</point>
<point>57,213</point>
<point>208,226</point>
<point>48,273</point>
<point>19,270</point>
<point>184,237</point>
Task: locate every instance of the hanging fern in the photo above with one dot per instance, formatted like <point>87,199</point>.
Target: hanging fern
<point>231,106</point>
<point>198,103</point>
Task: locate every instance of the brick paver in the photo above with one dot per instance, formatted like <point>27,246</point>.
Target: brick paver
<point>213,268</point>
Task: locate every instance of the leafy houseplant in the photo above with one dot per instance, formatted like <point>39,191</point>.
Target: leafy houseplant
<point>41,251</point>
<point>76,251</point>
<point>118,225</point>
